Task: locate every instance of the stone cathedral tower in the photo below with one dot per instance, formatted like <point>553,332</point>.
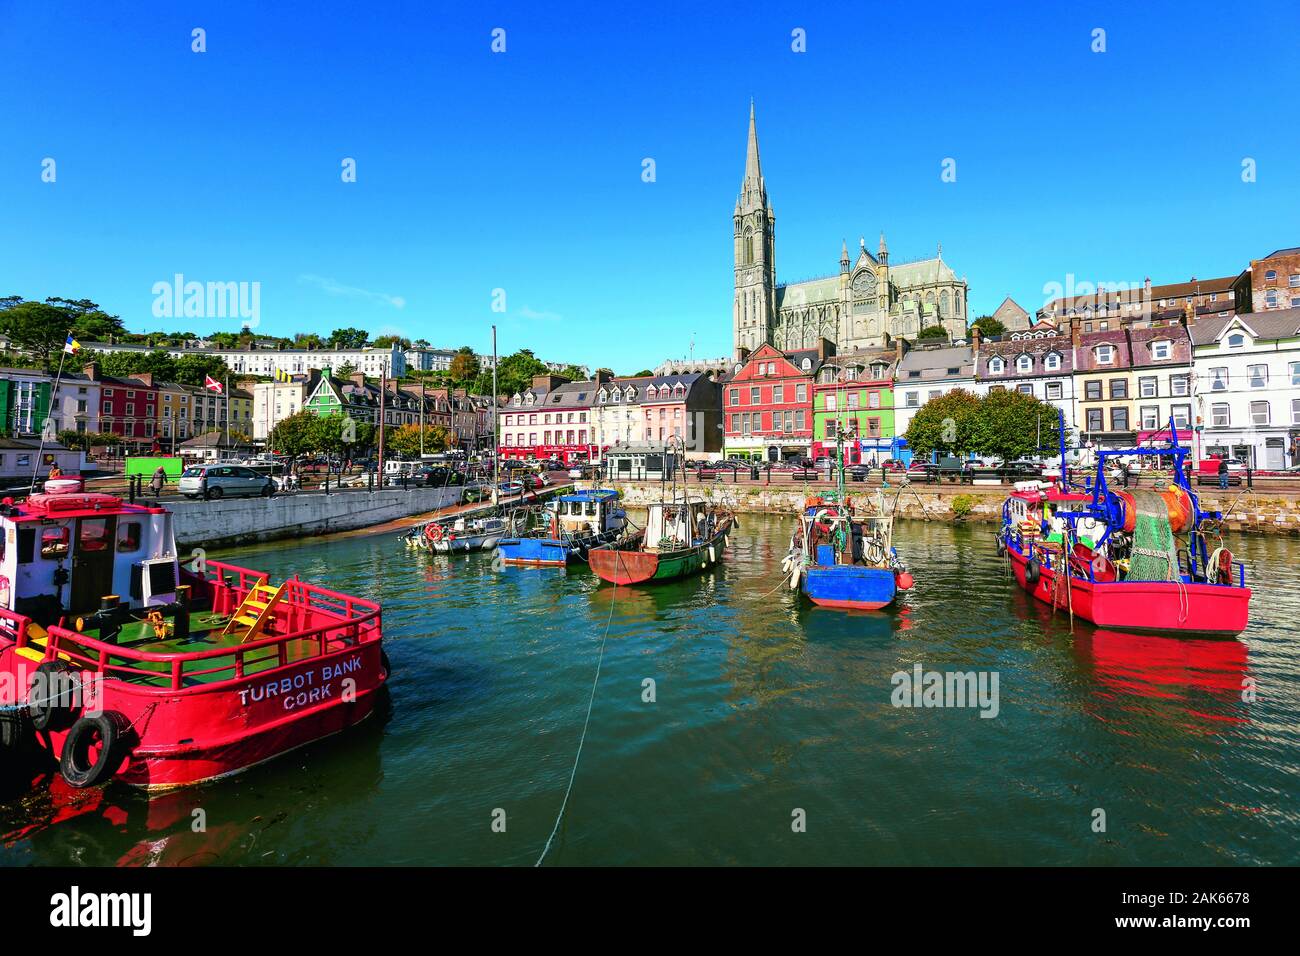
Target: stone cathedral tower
<point>754,307</point>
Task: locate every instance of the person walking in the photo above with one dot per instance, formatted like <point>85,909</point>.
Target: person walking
<point>1223,474</point>
<point>156,483</point>
<point>55,471</point>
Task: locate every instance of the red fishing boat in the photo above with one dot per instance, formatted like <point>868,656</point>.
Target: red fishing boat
<point>119,662</point>
<point>1131,561</point>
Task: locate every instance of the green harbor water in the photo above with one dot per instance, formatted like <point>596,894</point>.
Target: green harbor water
<point>763,708</point>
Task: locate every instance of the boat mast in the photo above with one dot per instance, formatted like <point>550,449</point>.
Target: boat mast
<point>496,447</point>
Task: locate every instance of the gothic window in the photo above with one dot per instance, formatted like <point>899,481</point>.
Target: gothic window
<point>806,365</point>
<point>749,247</point>
<point>943,303</point>
<point>956,303</point>
<point>929,297</point>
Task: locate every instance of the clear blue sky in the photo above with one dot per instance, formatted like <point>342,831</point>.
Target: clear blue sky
<point>523,171</point>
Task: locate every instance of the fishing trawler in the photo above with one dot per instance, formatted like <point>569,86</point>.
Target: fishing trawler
<point>843,560</point>
<point>121,663</point>
<point>570,527</point>
<point>682,536</point>
<point>1147,561</point>
<point>458,535</point>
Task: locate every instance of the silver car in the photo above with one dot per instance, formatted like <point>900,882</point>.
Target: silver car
<point>224,480</point>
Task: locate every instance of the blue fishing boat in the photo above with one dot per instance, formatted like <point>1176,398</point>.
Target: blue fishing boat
<point>569,527</point>
<point>843,560</point>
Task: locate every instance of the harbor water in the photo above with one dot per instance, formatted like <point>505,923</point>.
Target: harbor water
<point>769,734</point>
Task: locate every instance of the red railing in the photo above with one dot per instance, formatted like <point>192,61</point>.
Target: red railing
<point>305,613</point>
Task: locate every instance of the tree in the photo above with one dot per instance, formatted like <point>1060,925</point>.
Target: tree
<point>345,370</point>
<point>644,373</point>
<point>348,338</point>
<point>295,435</point>
<point>989,326</point>
<point>932,332</point>
<point>38,328</point>
<point>406,440</point>
<point>194,369</point>
<point>464,366</point>
<point>945,423</point>
<point>572,373</point>
<point>308,340</point>
<point>515,373</point>
<point>388,341</point>
<point>1011,424</point>
<point>342,434</point>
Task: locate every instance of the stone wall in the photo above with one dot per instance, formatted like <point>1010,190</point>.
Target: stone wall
<point>1249,511</point>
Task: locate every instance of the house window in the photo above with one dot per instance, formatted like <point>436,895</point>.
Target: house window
<point>1182,415</point>
<point>873,427</point>
<point>1119,419</point>
<point>934,393</point>
<point>1095,420</point>
<point>1236,340</point>
<point>1218,379</point>
<point>801,393</point>
<point>1178,385</point>
<point>873,400</point>
<point>1052,362</point>
<point>1160,350</point>
<point>1259,413</point>
<point>1025,389</point>
<point>1147,388</point>
<point>1295,411</point>
<point>754,395</point>
<point>798,420</point>
<point>778,393</point>
<point>913,399</point>
<point>1053,390</point>
<point>1092,390</point>
<point>830,401</point>
<point>1150,417</point>
<point>1105,354</point>
<point>1257,375</point>
<point>854,400</point>
<point>1024,364</point>
<point>1270,275</point>
<point>1219,417</point>
<point>1118,388</point>
<point>1293,280</point>
<point>995,366</point>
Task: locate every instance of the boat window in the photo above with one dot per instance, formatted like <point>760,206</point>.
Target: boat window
<point>54,542</point>
<point>128,536</point>
<point>93,534</point>
<point>591,508</point>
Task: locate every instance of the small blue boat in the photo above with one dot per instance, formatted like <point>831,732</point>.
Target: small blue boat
<point>571,526</point>
<point>842,560</point>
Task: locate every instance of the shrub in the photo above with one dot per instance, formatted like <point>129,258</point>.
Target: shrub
<point>962,506</point>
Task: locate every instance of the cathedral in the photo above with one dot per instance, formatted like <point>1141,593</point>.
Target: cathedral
<point>868,303</point>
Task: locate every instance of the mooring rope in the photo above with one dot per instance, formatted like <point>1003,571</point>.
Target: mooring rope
<point>600,659</point>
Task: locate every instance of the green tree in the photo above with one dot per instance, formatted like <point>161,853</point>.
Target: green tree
<point>387,341</point>
<point>945,423</point>
<point>644,373</point>
<point>515,372</point>
<point>341,434</point>
<point>572,373</point>
<point>192,369</point>
<point>1010,425</point>
<point>348,338</point>
<point>989,326</point>
<point>932,332</point>
<point>406,440</point>
<point>345,370</point>
<point>295,435</point>
<point>38,328</point>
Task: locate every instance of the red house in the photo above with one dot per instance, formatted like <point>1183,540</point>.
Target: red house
<point>767,404</point>
<point>128,407</point>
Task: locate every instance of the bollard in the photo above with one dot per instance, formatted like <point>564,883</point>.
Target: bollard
<point>327,481</point>
<point>1250,477</point>
<point>370,481</point>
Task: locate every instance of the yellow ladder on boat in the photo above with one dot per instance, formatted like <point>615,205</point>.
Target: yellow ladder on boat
<point>255,611</point>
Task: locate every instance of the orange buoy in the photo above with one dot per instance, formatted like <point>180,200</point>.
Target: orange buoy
<point>905,581</point>
<point>1179,504</point>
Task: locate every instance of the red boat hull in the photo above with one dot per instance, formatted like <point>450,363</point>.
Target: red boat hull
<point>1154,607</point>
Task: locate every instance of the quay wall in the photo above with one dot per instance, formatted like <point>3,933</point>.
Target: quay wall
<point>1247,511</point>
<point>233,521</point>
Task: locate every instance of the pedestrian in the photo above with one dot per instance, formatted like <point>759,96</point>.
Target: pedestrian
<point>156,483</point>
<point>1123,471</point>
<point>1223,474</point>
<point>55,471</point>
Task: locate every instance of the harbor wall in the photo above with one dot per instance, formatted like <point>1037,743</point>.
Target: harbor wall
<point>1248,512</point>
<point>232,521</point>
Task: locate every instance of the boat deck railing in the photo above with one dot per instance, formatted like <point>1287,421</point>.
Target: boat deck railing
<point>313,621</point>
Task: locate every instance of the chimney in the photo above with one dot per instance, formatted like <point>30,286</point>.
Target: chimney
<point>358,378</point>
<point>145,377</point>
<point>91,371</point>
<point>603,376</point>
<point>825,349</point>
<point>1074,334</point>
<point>898,350</point>
<point>975,338</point>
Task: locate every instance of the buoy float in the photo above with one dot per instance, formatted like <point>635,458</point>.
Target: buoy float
<point>905,581</point>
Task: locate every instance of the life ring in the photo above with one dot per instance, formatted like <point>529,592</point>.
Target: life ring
<point>76,763</point>
<point>1221,566</point>
<point>1033,571</point>
<point>824,521</point>
<point>433,532</point>
<point>51,696</point>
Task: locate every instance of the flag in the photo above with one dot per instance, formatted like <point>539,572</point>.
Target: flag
<point>71,346</point>
<point>212,383</point>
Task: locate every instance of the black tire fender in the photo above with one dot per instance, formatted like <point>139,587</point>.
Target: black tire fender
<point>1033,571</point>
<point>51,695</point>
<point>75,763</point>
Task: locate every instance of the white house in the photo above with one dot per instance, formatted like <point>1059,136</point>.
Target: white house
<point>1246,386</point>
<point>927,372</point>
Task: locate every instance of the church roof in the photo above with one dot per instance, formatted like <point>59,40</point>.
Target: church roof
<point>825,289</point>
<point>921,272</point>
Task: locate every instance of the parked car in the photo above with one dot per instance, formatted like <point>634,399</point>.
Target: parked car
<point>511,487</point>
<point>477,491</point>
<point>591,472</point>
<point>222,480</point>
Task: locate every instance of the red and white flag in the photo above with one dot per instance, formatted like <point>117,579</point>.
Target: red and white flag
<point>212,383</point>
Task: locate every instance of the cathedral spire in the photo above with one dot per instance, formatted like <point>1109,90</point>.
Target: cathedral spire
<point>753,168</point>
<point>884,250</point>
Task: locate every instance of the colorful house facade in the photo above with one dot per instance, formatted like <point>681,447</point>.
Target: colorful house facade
<point>768,404</point>
<point>853,399</point>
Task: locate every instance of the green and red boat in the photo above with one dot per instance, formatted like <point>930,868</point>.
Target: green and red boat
<point>681,538</point>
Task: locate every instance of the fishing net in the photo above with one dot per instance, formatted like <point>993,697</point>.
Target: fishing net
<point>1153,556</point>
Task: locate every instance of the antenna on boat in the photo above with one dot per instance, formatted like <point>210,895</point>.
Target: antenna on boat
<point>496,448</point>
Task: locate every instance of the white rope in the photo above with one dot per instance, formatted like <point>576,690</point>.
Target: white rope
<point>583,739</point>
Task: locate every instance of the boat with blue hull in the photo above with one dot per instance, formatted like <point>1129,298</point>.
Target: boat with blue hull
<point>570,526</point>
<point>843,560</point>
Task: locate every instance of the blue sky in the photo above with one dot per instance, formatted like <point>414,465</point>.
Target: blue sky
<point>522,170</point>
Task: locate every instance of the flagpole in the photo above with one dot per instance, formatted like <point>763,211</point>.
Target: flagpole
<point>54,393</point>
<point>227,397</point>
